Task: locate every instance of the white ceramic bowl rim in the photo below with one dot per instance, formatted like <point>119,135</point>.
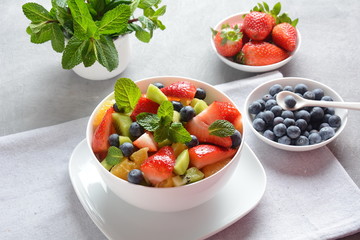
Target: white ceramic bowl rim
<point>303,80</point>
<point>253,68</point>
<point>89,131</point>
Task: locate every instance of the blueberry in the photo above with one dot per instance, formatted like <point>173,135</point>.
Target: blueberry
<point>302,114</point>
<point>302,141</point>
<point>306,134</point>
<point>270,103</point>
<point>259,124</point>
<point>135,176</point>
<point>319,93</point>
<point>116,109</point>
<point>330,111</point>
<point>262,102</point>
<point>278,120</point>
<point>158,85</point>
<point>200,93</point>
<point>317,114</point>
<point>193,142</point>
<point>290,101</point>
<point>136,130</point>
<point>314,138</point>
<point>268,117</point>
<point>267,97</point>
<point>284,140</point>
<point>187,113</point>
<point>127,149</point>
<point>326,133</point>
<point>259,115</point>
<point>300,88</point>
<point>289,122</point>
<point>269,135</point>
<point>255,107</point>
<point>275,89</point>
<point>236,139</point>
<point>288,88</point>
<point>322,125</point>
<point>287,114</point>
<point>277,110</point>
<point>326,118</point>
<point>177,105</point>
<point>279,129</point>
<point>114,140</point>
<point>293,132</point>
<point>335,121</point>
<point>302,124</point>
<point>309,95</point>
<point>327,98</point>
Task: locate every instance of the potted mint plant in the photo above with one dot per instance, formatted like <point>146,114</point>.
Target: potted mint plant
<point>93,35</point>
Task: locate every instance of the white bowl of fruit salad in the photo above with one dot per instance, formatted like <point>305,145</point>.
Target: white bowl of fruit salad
<point>258,43</point>
<point>165,143</point>
<point>304,129</point>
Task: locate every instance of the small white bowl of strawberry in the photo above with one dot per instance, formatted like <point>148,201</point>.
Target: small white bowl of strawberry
<point>165,143</point>
<point>257,41</point>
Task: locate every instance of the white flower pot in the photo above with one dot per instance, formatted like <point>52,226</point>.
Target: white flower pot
<point>99,72</point>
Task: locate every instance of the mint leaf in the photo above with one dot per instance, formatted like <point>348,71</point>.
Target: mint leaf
<point>149,121</point>
<point>72,53</point>
<point>221,128</point>
<point>57,38</point>
<point>148,3</point>
<point>134,5</point>
<point>42,34</point>
<point>160,12</point>
<point>143,35</point>
<point>115,20</point>
<point>114,155</point>
<point>58,3</point>
<point>36,13</point>
<point>127,94</point>
<point>165,112</point>
<point>106,52</point>
<point>161,133</point>
<point>88,54</point>
<point>177,133</point>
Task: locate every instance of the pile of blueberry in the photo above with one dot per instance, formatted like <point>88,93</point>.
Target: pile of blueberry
<point>306,126</point>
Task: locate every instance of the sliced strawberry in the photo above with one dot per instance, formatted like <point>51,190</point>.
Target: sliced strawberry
<point>146,140</point>
<point>100,141</point>
<point>144,105</point>
<point>159,166</point>
<point>201,130</point>
<point>219,111</point>
<point>181,90</point>
<point>202,155</point>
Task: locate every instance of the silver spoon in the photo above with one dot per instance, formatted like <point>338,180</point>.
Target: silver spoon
<point>302,102</point>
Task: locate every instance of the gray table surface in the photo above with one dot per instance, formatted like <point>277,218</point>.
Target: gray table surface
<point>36,92</point>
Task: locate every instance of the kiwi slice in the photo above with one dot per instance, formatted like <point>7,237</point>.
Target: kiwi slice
<point>182,162</point>
<point>194,102</point>
<point>124,139</point>
<point>200,106</point>
<point>193,175</point>
<point>155,94</point>
<point>106,165</point>
<point>176,116</point>
<point>166,142</point>
<point>178,181</point>
<point>122,123</point>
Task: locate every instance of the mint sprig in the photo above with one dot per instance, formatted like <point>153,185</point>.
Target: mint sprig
<point>162,126</point>
<point>91,26</point>
<point>127,94</point>
<point>221,128</point>
<point>114,156</point>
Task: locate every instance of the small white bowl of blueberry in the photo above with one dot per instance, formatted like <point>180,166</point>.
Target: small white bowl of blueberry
<point>304,129</point>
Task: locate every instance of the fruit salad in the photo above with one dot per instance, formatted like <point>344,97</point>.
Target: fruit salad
<point>168,136</point>
<point>263,37</point>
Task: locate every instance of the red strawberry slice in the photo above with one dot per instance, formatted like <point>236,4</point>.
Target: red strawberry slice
<point>144,105</point>
<point>219,111</point>
<point>180,90</point>
<point>200,129</point>
<point>202,155</point>
<point>159,166</point>
<point>284,35</point>
<point>146,140</point>
<point>100,141</point>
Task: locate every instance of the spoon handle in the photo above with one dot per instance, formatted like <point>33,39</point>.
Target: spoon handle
<point>348,105</point>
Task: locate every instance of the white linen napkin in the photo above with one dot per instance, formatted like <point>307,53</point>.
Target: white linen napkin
<point>308,196</point>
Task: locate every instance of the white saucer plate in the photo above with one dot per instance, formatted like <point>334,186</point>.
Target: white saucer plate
<point>120,220</point>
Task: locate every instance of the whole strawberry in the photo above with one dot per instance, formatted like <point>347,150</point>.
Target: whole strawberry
<point>258,25</point>
<point>284,35</point>
<point>228,41</point>
<point>259,53</point>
